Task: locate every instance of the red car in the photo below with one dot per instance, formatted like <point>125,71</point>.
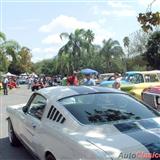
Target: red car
<point>151,96</point>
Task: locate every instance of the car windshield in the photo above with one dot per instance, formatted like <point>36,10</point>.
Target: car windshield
<point>106,108</point>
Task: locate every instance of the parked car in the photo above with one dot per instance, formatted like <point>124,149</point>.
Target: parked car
<point>141,80</point>
<point>125,79</point>
<point>23,80</point>
<point>84,123</point>
<point>152,97</point>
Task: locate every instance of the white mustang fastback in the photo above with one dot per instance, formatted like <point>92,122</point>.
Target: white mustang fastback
<point>85,123</point>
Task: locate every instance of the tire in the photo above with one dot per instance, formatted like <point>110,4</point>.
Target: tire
<point>50,157</point>
<point>14,141</point>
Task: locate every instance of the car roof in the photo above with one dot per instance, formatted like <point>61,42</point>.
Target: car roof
<point>144,72</point>
<point>60,92</point>
<point>151,72</point>
<point>132,72</point>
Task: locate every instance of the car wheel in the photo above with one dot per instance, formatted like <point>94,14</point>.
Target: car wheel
<point>14,141</point>
<point>50,157</point>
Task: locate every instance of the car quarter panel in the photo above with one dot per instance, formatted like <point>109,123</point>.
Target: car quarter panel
<point>60,141</point>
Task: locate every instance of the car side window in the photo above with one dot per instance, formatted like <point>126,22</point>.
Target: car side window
<point>37,106</point>
<point>137,78</point>
<point>151,78</point>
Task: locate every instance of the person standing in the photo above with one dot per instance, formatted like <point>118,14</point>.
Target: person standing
<point>117,81</point>
<point>73,80</point>
<point>30,81</point>
<point>5,86</point>
<point>89,81</point>
<point>64,80</point>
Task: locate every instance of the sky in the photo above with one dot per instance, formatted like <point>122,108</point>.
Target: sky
<point>37,24</point>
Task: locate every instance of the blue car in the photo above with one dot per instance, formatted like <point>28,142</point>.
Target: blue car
<point>126,79</point>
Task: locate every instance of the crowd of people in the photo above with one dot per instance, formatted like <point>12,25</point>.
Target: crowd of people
<point>37,82</point>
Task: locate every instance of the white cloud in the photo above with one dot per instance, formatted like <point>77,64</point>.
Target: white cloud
<point>69,24</point>
<point>39,54</point>
<point>52,39</point>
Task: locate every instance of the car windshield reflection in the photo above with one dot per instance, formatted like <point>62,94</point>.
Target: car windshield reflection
<point>106,108</point>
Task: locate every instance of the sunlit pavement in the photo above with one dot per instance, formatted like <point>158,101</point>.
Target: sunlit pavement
<point>7,152</point>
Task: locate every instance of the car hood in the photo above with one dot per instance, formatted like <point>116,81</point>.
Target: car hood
<point>15,107</point>
<point>130,139</point>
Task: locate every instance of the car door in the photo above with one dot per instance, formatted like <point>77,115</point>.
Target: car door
<point>32,122</point>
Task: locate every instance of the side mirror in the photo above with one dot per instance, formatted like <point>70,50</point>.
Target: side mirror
<point>24,109</point>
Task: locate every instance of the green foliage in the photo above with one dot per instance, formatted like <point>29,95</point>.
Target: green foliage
<point>110,49</point>
<point>13,58</point>
<point>152,54</point>
<point>149,20</point>
<point>79,52</point>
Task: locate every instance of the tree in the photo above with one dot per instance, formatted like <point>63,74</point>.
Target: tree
<point>138,42</point>
<point>3,58</point>
<point>149,19</point>
<point>73,47</point>
<point>2,37</point>
<point>152,54</point>
<point>110,49</point>
<point>25,59</point>
<point>11,49</point>
<point>78,42</point>
<point>14,58</point>
<point>126,43</point>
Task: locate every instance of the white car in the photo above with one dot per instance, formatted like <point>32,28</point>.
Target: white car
<point>85,123</point>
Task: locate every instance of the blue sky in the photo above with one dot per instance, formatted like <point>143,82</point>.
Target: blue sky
<point>37,24</point>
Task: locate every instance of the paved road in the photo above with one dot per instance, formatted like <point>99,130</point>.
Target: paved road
<point>7,152</point>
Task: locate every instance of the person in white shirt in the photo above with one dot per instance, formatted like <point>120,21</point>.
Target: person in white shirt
<point>30,81</point>
<point>89,81</point>
<point>117,81</point>
<point>5,86</point>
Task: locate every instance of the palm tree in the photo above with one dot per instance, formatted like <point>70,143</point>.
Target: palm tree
<point>8,48</point>
<point>111,48</point>
<point>11,49</point>
<point>126,43</point>
<point>3,58</point>
<point>2,37</point>
<point>76,41</point>
<point>89,37</point>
